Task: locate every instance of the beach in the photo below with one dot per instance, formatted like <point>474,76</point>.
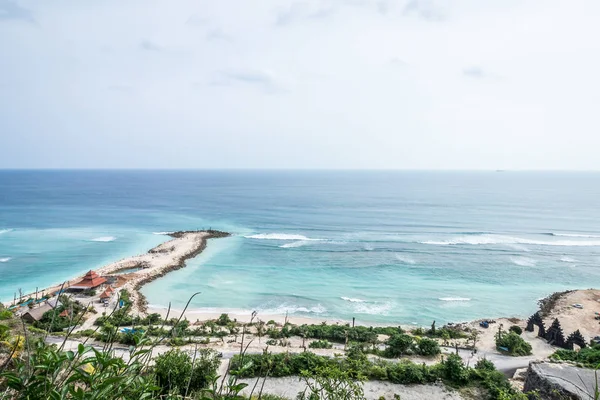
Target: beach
<point>158,261</point>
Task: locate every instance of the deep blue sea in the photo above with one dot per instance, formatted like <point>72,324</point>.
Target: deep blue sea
<point>393,247</point>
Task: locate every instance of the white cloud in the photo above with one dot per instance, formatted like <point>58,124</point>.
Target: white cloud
<point>318,83</point>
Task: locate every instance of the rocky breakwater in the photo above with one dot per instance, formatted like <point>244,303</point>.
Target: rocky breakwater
<point>161,260</point>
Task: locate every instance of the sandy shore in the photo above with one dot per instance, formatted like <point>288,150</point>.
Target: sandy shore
<point>157,262</point>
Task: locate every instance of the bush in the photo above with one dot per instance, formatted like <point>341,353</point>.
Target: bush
<point>5,314</point>
<point>588,357</point>
<point>515,344</point>
<point>398,345</point>
<point>174,370</point>
<point>428,347</point>
<point>224,320</point>
<point>516,329</point>
<point>320,344</point>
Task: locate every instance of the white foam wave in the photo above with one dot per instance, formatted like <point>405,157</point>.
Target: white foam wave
<point>278,236</point>
<point>5,231</point>
<point>161,233</point>
<point>292,309</point>
<point>405,259</point>
<point>104,239</point>
<point>373,309</point>
<point>523,261</point>
<point>352,300</point>
<point>368,247</point>
<point>518,247</point>
<point>575,235</point>
<point>568,259</point>
<point>499,239</point>
<point>454,299</point>
<point>299,243</point>
<point>5,259</point>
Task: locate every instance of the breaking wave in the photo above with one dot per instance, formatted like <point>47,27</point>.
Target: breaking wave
<point>573,235</point>
<point>279,236</point>
<point>351,300</point>
<point>523,261</point>
<point>499,239</point>
<point>5,259</point>
<point>373,308</point>
<point>293,309</point>
<point>162,233</point>
<point>299,243</point>
<point>454,299</point>
<point>5,231</point>
<point>568,259</point>
<point>405,259</point>
<point>104,239</point>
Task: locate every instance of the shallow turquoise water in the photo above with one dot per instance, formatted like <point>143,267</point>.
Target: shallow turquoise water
<point>398,247</point>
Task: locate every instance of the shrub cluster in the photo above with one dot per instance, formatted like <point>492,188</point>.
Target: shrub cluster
<point>515,344</point>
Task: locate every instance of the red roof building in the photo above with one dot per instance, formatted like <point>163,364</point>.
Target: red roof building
<point>89,281</point>
<point>107,294</point>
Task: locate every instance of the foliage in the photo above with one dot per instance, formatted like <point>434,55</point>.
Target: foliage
<point>177,372</point>
<point>446,333</point>
<point>224,320</point>
<point>588,357</point>
<point>5,314</point>
<point>515,344</point>
<point>427,347</point>
<point>331,385</point>
<point>399,344</point>
<point>320,344</point>
<point>333,333</point>
<point>516,329</point>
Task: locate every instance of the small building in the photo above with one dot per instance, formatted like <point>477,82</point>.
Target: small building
<point>91,280</point>
<point>107,294</point>
<point>36,314</point>
<point>65,313</point>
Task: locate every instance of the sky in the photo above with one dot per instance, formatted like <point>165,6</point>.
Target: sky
<point>320,84</point>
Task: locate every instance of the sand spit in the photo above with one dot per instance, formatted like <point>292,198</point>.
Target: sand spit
<point>157,262</point>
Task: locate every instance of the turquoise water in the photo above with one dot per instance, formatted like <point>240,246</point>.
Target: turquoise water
<point>401,247</point>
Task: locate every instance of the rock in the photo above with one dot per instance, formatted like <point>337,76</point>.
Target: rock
<point>555,381</point>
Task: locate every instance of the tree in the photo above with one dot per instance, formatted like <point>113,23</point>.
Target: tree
<point>516,329</point>
<point>514,343</point>
<point>428,347</point>
<point>399,344</point>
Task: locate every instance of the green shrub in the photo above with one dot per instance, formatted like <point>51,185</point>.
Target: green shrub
<point>515,344</point>
<point>175,371</point>
<point>320,344</point>
<point>398,344</point>
<point>516,329</point>
<point>223,320</point>
<point>5,314</point>
<point>428,347</point>
<point>589,357</point>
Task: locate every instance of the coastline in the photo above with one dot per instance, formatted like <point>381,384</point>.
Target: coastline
<point>183,245</point>
<point>155,263</point>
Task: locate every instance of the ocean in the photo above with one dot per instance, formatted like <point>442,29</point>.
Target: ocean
<point>381,246</point>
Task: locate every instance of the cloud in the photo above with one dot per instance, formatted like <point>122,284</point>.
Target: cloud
<point>218,35</point>
<point>426,9</point>
<point>149,45</point>
<point>303,11</point>
<point>473,72</point>
<point>196,20</point>
<point>10,10</point>
<point>248,77</point>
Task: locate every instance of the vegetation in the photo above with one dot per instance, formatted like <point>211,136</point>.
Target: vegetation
<point>588,357</point>
<point>177,372</point>
<point>516,329</point>
<point>514,344</point>
<point>320,344</point>
<point>356,366</point>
